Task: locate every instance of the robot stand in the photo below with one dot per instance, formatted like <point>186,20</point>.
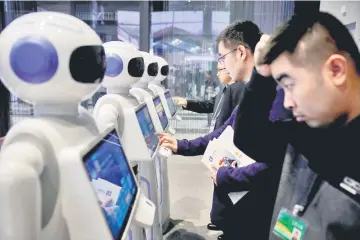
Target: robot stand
<point>163,154</point>
<point>119,108</point>
<point>156,71</point>
<point>127,124</point>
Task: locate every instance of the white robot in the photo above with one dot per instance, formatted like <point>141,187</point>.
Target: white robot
<point>164,94</point>
<point>134,122</point>
<point>47,186</point>
<point>156,108</point>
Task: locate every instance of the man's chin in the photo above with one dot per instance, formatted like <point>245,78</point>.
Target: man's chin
<point>316,124</point>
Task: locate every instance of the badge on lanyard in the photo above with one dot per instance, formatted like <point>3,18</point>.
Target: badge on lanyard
<point>289,225</point>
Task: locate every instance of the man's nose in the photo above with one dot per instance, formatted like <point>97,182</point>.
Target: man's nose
<point>288,101</point>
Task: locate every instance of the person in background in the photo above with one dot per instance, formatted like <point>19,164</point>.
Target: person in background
<point>317,62</point>
<point>211,91</point>
<point>221,105</point>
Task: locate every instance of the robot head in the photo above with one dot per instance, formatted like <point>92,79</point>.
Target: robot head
<point>125,65</point>
<point>51,58</point>
<point>163,70</point>
<point>151,69</point>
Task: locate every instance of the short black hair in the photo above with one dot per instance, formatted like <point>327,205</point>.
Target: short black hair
<point>240,32</point>
<point>287,37</point>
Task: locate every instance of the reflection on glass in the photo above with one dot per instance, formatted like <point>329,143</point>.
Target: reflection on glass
<point>185,35</point>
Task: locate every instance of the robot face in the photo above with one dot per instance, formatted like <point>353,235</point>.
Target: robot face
<point>151,66</point>
<point>125,65</point>
<point>54,58</point>
<point>163,70</point>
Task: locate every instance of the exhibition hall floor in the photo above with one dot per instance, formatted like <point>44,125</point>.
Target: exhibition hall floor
<point>190,196</point>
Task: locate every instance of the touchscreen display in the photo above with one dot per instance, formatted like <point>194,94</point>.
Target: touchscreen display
<point>113,182</point>
<point>147,129</point>
<point>161,112</point>
<point>170,103</point>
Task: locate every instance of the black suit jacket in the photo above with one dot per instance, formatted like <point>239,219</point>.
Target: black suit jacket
<point>231,99</point>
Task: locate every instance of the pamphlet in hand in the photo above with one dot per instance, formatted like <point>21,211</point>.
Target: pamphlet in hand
<point>222,151</point>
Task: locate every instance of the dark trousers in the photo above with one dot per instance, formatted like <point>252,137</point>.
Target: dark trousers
<point>220,203</point>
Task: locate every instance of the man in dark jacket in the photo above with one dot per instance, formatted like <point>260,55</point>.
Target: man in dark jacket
<point>239,179</point>
<point>317,62</point>
<point>221,105</point>
<point>236,46</point>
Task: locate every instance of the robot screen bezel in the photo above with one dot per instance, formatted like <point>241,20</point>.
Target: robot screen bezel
<point>137,109</point>
<point>158,99</point>
<point>174,106</point>
<point>88,150</point>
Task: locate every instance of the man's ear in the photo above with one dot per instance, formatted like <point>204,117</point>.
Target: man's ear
<point>336,69</point>
<point>242,51</point>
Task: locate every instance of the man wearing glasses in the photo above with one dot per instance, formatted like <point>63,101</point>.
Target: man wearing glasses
<point>236,47</point>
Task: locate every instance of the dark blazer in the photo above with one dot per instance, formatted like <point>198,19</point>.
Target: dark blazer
<point>255,177</point>
<point>232,95</point>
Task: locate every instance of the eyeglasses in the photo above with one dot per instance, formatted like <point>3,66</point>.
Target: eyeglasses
<point>221,59</point>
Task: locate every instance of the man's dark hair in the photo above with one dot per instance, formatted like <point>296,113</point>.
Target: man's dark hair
<point>286,39</point>
<point>240,32</point>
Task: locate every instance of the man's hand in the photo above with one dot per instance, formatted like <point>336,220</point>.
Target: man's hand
<point>215,167</point>
<point>168,141</point>
<point>258,54</point>
<point>213,177</point>
<point>180,101</point>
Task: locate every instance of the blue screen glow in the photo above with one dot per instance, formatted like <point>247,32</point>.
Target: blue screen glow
<point>161,112</point>
<point>113,182</point>
<point>147,129</point>
<point>170,103</point>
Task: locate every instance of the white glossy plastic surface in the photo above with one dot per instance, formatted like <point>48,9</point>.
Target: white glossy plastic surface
<point>44,191</point>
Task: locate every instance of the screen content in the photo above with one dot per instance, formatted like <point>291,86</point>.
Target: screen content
<point>147,129</point>
<point>161,112</point>
<point>170,103</point>
<point>113,182</point>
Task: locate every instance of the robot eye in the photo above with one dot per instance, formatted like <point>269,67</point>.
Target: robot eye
<point>136,67</point>
<point>114,65</point>
<point>153,69</point>
<point>165,70</point>
<point>87,64</point>
<point>34,59</point>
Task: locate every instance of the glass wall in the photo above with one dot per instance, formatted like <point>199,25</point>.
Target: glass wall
<point>185,33</point>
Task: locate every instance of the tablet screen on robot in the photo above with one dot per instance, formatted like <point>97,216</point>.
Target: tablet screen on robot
<point>113,182</point>
<point>161,112</point>
<point>147,129</point>
<point>170,103</point>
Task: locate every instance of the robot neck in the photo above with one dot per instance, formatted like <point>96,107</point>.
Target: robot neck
<point>120,90</point>
<point>143,85</point>
<point>55,109</point>
<point>156,84</point>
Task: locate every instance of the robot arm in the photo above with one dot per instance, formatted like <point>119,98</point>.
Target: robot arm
<point>106,115</point>
<point>20,191</point>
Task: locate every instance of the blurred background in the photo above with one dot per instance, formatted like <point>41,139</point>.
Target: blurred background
<point>182,32</point>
